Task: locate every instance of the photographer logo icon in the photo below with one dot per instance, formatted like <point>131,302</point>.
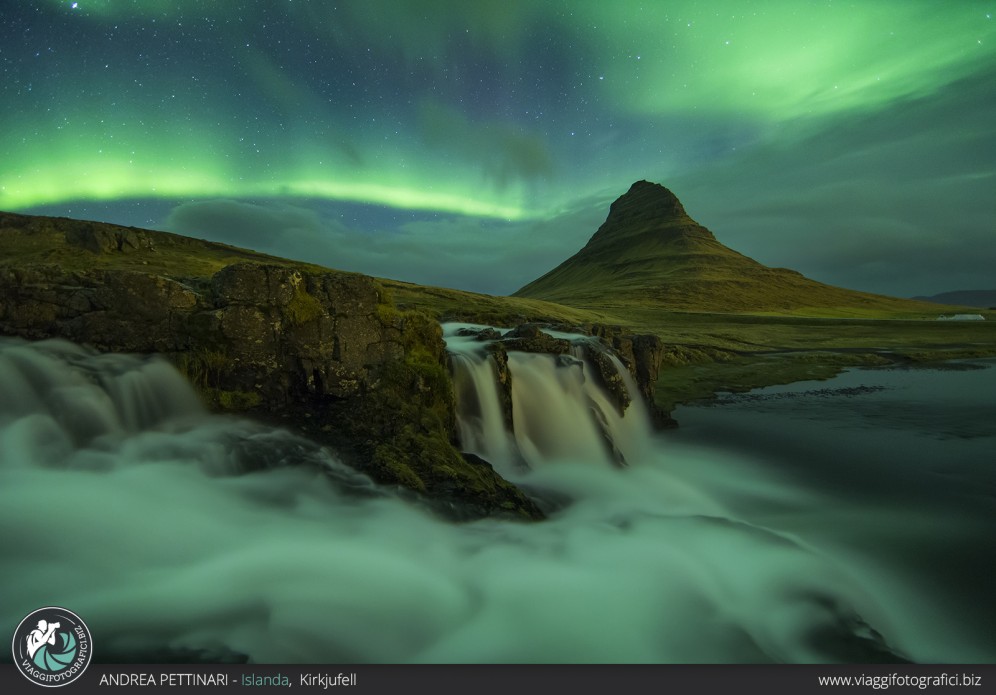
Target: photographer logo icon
<point>52,647</point>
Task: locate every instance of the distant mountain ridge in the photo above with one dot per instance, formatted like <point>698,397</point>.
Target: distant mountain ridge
<point>983,299</point>
<point>649,252</point>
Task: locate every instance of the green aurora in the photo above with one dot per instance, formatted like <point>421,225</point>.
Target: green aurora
<point>511,111</point>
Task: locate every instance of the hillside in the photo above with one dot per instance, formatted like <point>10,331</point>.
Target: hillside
<point>982,299</point>
<point>650,254</point>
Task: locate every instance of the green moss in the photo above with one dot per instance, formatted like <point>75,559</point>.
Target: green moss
<point>40,240</point>
<point>411,416</point>
<point>202,368</point>
<point>440,303</point>
<point>385,295</point>
<point>392,464</point>
<point>235,400</point>
<point>388,315</point>
<point>303,308</point>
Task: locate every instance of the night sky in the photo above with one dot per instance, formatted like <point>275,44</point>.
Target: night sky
<point>478,144</point>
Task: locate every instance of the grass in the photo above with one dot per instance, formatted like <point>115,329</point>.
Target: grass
<point>303,308</point>
<point>457,305</point>
<point>27,240</point>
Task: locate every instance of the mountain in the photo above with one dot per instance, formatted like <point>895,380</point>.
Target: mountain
<point>983,299</point>
<point>649,253</point>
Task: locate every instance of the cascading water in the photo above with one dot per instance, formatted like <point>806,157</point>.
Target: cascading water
<point>72,397</point>
<point>559,411</point>
<point>63,406</point>
<point>176,534</point>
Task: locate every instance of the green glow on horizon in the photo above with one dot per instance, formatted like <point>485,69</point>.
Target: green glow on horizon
<point>65,183</point>
<point>404,198</point>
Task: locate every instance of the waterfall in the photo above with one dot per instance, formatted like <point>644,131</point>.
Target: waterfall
<point>57,398</point>
<point>559,411</point>
<point>63,406</point>
<point>179,534</point>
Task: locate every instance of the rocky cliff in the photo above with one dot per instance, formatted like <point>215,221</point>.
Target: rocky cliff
<point>321,351</point>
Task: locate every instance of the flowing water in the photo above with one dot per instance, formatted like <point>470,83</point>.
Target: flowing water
<point>172,532</point>
<point>893,476</point>
<point>560,414</point>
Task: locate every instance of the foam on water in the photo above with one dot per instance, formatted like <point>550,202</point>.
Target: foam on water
<point>169,530</point>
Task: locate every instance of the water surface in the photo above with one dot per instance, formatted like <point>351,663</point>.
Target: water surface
<point>789,530</point>
<point>892,473</point>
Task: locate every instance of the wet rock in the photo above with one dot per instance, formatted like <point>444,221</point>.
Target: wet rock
<point>530,337</point>
<point>607,374</point>
<point>569,361</point>
<point>100,238</point>
<point>643,355</point>
<point>503,377</point>
<point>482,334</point>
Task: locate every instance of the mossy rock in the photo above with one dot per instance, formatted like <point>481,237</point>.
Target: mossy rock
<point>234,401</point>
<point>303,308</point>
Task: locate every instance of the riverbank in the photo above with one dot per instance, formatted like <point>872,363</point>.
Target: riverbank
<point>724,372</point>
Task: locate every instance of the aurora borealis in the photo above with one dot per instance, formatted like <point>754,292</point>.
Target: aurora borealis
<point>477,144</point>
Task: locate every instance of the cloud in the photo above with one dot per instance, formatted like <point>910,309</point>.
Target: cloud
<point>898,202</point>
<point>423,33</point>
<point>260,227</point>
<point>505,153</point>
<point>452,251</point>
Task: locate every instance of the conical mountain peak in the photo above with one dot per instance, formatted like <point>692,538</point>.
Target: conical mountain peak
<point>650,254</point>
<point>646,201</point>
<point>647,210</point>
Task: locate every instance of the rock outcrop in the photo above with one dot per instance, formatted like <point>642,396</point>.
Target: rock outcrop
<point>641,354</point>
<point>321,351</point>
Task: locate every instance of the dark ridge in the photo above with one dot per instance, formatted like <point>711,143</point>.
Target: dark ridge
<point>981,299</point>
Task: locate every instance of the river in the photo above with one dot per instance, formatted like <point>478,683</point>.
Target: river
<point>802,528</point>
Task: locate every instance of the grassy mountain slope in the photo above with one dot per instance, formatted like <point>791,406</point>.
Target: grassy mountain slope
<point>649,253</point>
